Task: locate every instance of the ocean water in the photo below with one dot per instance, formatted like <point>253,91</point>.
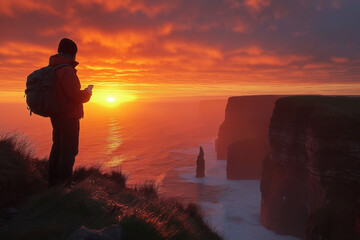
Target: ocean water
<point>159,141</point>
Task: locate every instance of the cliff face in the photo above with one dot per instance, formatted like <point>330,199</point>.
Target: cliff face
<point>245,128</point>
<point>244,160</point>
<point>310,181</point>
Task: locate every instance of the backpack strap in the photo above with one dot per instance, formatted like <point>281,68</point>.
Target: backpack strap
<point>62,65</point>
<point>57,67</point>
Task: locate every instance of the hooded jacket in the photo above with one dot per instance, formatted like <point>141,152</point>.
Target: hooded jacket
<point>68,87</point>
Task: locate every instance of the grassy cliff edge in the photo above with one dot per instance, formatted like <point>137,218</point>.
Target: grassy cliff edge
<point>97,200</point>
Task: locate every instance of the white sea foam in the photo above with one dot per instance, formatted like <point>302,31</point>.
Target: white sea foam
<point>236,214</point>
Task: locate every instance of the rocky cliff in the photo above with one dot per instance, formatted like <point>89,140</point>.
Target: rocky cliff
<point>244,160</point>
<point>310,180</point>
<point>243,136</point>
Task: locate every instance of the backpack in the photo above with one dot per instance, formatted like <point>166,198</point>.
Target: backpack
<point>40,92</point>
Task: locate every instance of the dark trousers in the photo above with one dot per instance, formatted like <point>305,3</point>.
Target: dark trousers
<point>64,149</point>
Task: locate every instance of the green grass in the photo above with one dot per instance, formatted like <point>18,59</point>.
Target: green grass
<point>56,213</point>
<point>148,189</point>
<point>18,176</point>
<point>98,199</point>
<point>115,176</point>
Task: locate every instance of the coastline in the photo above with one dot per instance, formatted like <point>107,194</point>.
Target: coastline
<point>235,210</point>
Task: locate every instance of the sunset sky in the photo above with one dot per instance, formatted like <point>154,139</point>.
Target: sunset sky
<point>149,49</point>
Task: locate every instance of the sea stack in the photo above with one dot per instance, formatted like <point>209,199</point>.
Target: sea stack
<point>200,164</point>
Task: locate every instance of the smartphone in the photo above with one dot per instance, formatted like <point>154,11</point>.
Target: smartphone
<point>90,87</point>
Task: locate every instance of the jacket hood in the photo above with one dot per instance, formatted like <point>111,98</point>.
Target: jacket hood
<point>61,59</point>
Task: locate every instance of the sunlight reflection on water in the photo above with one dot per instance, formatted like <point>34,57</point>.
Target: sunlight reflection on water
<point>115,136</point>
<point>138,136</point>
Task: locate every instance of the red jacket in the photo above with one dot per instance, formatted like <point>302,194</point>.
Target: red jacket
<point>68,87</point>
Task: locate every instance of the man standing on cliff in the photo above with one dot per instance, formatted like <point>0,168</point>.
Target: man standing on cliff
<point>66,124</point>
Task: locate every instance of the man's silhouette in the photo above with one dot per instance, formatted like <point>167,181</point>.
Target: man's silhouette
<point>66,125</point>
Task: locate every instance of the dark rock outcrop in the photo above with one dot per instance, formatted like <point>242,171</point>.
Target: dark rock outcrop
<point>113,232</point>
<point>6,214</point>
<point>311,178</point>
<point>200,164</point>
<point>245,129</point>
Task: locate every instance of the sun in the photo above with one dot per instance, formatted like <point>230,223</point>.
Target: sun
<point>110,99</point>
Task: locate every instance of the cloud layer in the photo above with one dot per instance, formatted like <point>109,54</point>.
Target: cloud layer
<point>186,42</point>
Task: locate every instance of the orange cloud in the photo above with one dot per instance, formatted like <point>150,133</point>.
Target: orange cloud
<point>257,4</point>
<point>138,44</point>
<point>266,59</point>
<point>150,8</point>
<point>250,50</point>
<point>22,48</point>
<point>9,7</point>
<point>197,49</point>
<point>339,60</point>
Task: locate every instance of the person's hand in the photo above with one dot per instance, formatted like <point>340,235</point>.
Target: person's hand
<point>88,90</point>
<point>87,94</point>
